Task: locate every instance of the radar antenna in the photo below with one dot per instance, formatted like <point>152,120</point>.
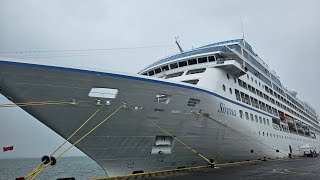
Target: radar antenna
<point>177,42</point>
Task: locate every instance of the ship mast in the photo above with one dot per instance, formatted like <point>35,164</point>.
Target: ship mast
<point>180,48</point>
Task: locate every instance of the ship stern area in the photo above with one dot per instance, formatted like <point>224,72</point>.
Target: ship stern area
<point>160,124</point>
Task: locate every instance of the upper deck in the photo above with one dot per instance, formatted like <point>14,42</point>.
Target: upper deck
<point>240,51</point>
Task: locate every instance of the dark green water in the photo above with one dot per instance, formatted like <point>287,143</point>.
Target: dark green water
<point>78,167</point>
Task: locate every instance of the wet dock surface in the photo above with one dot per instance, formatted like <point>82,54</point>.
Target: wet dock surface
<point>293,169</point>
<point>282,169</point>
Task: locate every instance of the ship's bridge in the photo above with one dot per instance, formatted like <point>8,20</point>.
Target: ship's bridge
<point>220,48</point>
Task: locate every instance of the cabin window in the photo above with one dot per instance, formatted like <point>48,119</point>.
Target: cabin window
<point>151,73</point>
<point>235,47</point>
<point>183,63</point>
<point>228,76</point>
<point>260,120</point>
<point>237,94</point>
<point>174,75</point>
<point>219,56</point>
<point>174,65</point>
<point>157,71</point>
<point>272,101</point>
<point>235,80</point>
<point>247,115</point>
<point>192,61</point>
<point>248,99</point>
<point>251,116</point>
<point>256,117</point>
<point>165,68</point>
<point>241,113</point>
<point>230,90</point>
<point>264,121</point>
<point>202,60</point>
<point>224,87</point>
<point>193,81</point>
<point>211,58</point>
<point>145,74</point>
<point>242,97</point>
<point>196,71</point>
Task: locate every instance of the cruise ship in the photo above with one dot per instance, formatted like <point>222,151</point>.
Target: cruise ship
<point>219,103</point>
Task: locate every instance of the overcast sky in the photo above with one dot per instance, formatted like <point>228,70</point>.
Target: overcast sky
<point>284,33</point>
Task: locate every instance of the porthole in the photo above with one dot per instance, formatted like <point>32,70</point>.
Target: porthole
<point>259,84</point>
<point>256,81</point>
<point>235,80</point>
<point>247,76</point>
<point>247,115</point>
<point>252,79</point>
<point>230,90</point>
<point>224,87</point>
<point>260,119</point>
<point>251,117</point>
<point>228,76</point>
<point>241,113</point>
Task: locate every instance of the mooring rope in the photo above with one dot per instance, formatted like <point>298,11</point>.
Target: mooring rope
<point>240,133</point>
<point>174,137</point>
<point>37,168</point>
<point>42,168</point>
<point>41,103</point>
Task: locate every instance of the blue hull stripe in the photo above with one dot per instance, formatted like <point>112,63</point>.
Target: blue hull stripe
<point>132,78</point>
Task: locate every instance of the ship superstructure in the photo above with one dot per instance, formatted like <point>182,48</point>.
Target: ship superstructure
<point>220,99</point>
<point>261,87</point>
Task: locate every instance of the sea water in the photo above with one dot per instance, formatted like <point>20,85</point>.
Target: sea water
<point>77,167</point>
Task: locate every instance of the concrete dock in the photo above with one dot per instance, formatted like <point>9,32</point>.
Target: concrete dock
<point>293,169</point>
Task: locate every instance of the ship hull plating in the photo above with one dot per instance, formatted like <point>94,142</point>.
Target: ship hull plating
<point>127,142</point>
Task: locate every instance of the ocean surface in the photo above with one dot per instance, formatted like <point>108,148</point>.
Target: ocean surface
<point>77,167</point>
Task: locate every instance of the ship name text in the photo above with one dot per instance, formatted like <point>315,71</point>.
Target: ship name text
<point>225,110</point>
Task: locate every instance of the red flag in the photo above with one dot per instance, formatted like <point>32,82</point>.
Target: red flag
<point>7,148</point>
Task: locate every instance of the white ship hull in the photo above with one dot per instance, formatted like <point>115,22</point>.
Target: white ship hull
<point>126,143</point>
